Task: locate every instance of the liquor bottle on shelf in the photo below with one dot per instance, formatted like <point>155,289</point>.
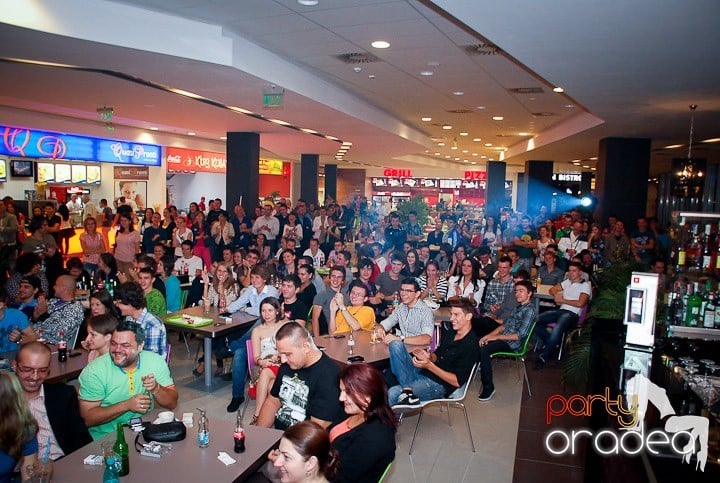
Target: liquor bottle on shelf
<point>694,303</point>
<point>708,249</point>
<point>678,307</point>
<point>709,312</point>
<point>694,250</point>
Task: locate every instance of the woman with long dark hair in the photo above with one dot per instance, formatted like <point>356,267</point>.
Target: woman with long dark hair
<point>304,456</point>
<point>467,284</point>
<point>365,441</point>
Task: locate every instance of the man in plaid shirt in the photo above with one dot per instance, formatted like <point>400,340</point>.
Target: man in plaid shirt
<point>130,301</point>
<point>499,287</point>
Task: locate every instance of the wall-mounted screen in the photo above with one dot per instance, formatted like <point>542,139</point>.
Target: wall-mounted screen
<point>21,168</point>
<point>93,174</point>
<point>3,171</point>
<point>45,172</point>
<point>79,173</point>
<point>63,173</point>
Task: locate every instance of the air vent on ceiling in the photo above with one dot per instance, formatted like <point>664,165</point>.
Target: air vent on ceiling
<point>459,111</point>
<point>358,58</point>
<point>526,90</point>
<point>483,48</point>
<point>543,114</point>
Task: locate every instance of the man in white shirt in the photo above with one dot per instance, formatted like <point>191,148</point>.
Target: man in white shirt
<point>572,295</point>
<point>75,205</point>
<point>573,242</point>
<point>314,251</point>
<point>193,263</point>
<point>268,225</point>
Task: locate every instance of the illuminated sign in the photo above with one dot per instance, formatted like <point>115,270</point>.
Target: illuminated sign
<point>31,143</point>
<point>180,159</point>
<point>475,175</point>
<point>566,177</point>
<point>271,166</point>
<point>397,173</point>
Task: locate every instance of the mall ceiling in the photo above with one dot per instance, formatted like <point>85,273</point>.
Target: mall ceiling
<point>628,69</point>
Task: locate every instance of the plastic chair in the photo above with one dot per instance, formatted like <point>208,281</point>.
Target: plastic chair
<point>167,353</point>
<point>579,326</point>
<point>520,355</point>
<point>382,478</point>
<point>456,399</point>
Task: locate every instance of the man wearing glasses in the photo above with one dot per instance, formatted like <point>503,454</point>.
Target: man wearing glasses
<point>125,383</point>
<point>55,406</point>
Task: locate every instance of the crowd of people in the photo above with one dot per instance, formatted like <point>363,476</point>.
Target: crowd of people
<point>383,274</point>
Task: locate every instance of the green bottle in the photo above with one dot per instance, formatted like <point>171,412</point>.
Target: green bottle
<point>694,303</point>
<point>122,450</point>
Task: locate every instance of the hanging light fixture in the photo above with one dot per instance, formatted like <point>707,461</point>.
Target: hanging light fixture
<point>689,173</point>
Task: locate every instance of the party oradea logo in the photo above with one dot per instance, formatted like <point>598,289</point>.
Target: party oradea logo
<point>680,435</point>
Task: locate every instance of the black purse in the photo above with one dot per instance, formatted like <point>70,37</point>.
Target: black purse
<point>165,432</point>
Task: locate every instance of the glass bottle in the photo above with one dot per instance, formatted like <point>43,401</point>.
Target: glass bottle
<point>62,347</point>
<point>122,450</point>
<point>203,437</point>
<point>113,465</point>
<point>239,436</point>
<point>351,343</point>
<point>709,313</point>
<point>692,314</point>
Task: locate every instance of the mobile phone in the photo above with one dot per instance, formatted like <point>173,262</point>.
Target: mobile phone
<point>355,359</point>
<point>225,314</point>
<point>338,337</point>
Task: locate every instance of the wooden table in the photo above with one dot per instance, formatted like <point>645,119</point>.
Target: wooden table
<point>185,462</point>
<point>542,293</point>
<point>219,328</point>
<point>337,349</point>
<point>70,369</point>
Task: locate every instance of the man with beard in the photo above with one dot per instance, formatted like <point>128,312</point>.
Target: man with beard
<point>125,383</point>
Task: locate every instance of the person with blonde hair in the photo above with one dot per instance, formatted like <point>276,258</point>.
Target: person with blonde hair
<point>18,428</point>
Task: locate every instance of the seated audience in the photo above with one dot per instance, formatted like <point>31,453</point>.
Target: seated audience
<point>130,301</point>
<point>54,406</point>
<point>99,332</point>
<point>468,284</point>
<point>60,314</point>
<point>304,455</point>
<point>18,433</point>
<point>357,316</point>
<point>126,383</point>
<point>27,297</point>
<point>154,300</point>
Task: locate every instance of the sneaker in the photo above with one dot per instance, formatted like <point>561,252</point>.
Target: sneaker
<point>540,363</point>
<point>235,404</point>
<point>486,394</point>
<point>408,398</point>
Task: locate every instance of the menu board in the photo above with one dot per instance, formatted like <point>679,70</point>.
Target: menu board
<point>450,183</point>
<point>45,172</point>
<point>93,174</point>
<point>378,181</point>
<point>63,173</point>
<point>79,174</point>
<point>3,171</point>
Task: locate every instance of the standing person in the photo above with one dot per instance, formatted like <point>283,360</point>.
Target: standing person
<point>61,429</point>
<point>153,234</point>
<point>223,234</point>
<point>572,295</point>
<point>525,242</point>
<point>93,246</point>
<point>42,244</point>
<point>202,238</point>
<point>365,441</point>
<point>66,230</point>
<point>510,336</point>
<point>314,251</point>
<point>395,234</point>
<point>8,241</point>
<point>415,232</point>
<point>127,245</point>
<point>243,227</point>
<point>18,435</point>
<point>320,226</point>
<point>452,236</point>
<point>306,384</point>
<point>267,225</point>
<point>642,243</point>
<point>106,220</point>
<point>180,234</point>
<point>544,239</point>
<point>388,283</point>
<point>127,382</point>
<point>617,244</point>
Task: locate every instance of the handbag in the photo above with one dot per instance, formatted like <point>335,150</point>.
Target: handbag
<point>165,432</point>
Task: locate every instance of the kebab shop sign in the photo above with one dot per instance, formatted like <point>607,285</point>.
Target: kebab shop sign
<point>181,159</point>
<point>684,435</point>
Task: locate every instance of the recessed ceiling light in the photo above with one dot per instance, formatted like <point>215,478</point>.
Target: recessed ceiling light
<point>458,93</point>
<point>223,138</point>
<point>433,63</point>
<point>477,140</point>
<point>488,144</point>
<point>481,107</point>
<point>558,90</point>
<point>594,158</point>
<point>483,157</point>
<point>463,134</point>
<point>279,121</point>
<point>371,76</point>
<point>427,73</point>
<point>437,154</point>
<point>308,3</point>
<point>593,169</point>
<point>426,119</point>
<point>465,160</point>
<point>357,69</point>
<point>347,143</point>
<point>441,144</point>
<point>447,156</point>
<point>569,106</point>
<point>473,162</point>
<point>474,154</point>
<point>380,44</point>
<point>523,134</point>
<point>586,166</point>
<point>447,127</point>
<point>465,151</point>
<point>191,133</point>
<point>457,159</point>
<point>309,131</point>
<point>427,150</point>
<point>453,148</point>
<point>711,140</point>
<point>155,129</point>
<point>498,118</point>
<point>673,146</point>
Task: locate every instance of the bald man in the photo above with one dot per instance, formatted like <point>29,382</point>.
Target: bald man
<point>60,314</point>
<point>55,406</point>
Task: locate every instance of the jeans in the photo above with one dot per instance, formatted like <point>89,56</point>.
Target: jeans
<point>409,376</point>
<point>492,347</point>
<point>239,364</point>
<point>564,320</point>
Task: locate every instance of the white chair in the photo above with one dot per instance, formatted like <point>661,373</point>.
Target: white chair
<point>456,399</point>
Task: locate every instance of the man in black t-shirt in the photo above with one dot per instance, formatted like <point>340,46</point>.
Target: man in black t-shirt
<point>294,309</point>
<point>306,386</point>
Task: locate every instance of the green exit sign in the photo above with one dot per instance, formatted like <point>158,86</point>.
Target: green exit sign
<point>272,100</point>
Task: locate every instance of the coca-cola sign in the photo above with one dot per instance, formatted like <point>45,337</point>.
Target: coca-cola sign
<point>181,159</point>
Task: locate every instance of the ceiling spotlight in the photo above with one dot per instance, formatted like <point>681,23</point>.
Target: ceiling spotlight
<point>191,133</point>
<point>441,144</point>
<point>498,118</point>
<point>371,76</point>
<point>433,63</point>
<point>477,140</point>
<point>523,134</point>
<point>427,73</point>
<point>447,127</point>
<point>453,147</point>
<point>357,69</point>
<point>437,154</point>
<point>458,93</point>
<point>463,134</point>
<point>426,119</point>
<point>308,3</point>
<point>223,138</point>
<point>457,159</point>
<point>488,144</point>
<point>558,89</point>
<point>481,108</point>
<point>380,44</point>
<point>154,128</point>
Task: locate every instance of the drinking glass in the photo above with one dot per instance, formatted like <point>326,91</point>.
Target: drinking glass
<point>40,471</point>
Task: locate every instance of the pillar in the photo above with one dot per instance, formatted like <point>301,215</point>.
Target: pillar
<point>586,183</point>
<point>495,188</point>
<point>309,177</point>
<point>621,181</point>
<point>331,181</point>
<point>243,164</point>
<point>538,176</point>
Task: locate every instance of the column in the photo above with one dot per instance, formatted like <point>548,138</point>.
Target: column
<point>538,175</point>
<point>309,177</point>
<point>331,181</point>
<point>495,188</point>
<point>586,183</point>
<point>621,181</point>
<point>243,178</point>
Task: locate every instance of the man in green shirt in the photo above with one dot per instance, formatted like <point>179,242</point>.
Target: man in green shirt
<point>153,298</point>
<point>125,383</point>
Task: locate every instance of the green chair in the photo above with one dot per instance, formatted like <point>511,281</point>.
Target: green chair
<point>520,355</point>
<point>382,478</point>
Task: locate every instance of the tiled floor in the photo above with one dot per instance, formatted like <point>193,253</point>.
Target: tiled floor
<point>441,454</point>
